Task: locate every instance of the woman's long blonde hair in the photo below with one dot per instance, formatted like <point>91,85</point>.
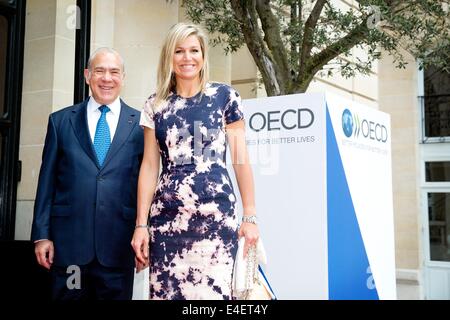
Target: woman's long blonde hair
<point>166,80</point>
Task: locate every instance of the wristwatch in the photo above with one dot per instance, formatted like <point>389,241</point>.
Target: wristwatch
<point>249,219</point>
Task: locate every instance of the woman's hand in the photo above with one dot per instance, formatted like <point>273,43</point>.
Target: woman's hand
<point>140,243</point>
<point>140,266</point>
<point>251,234</point>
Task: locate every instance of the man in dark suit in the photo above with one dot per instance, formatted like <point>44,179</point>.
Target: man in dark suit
<point>85,209</point>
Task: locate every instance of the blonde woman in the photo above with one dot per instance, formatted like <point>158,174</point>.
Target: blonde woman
<point>193,224</point>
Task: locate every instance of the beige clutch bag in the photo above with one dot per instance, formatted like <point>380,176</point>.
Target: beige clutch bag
<point>249,280</point>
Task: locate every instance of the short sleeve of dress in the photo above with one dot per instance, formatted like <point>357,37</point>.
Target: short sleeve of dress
<point>147,114</point>
<point>233,110</point>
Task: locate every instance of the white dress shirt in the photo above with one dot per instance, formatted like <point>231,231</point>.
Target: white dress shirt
<point>112,116</point>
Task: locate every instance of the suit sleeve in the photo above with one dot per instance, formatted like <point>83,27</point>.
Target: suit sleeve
<point>46,185</point>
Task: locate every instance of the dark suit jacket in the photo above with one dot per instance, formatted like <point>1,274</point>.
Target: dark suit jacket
<point>85,209</point>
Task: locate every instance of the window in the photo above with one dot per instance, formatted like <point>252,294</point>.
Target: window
<point>2,141</point>
<point>438,217</point>
<point>437,171</point>
<point>436,104</point>
<point>10,3</point>
<point>3,39</point>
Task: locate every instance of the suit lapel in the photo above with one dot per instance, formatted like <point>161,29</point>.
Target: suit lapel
<point>81,129</point>
<point>127,121</point>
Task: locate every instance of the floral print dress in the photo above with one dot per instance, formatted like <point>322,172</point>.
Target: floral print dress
<point>193,225</point>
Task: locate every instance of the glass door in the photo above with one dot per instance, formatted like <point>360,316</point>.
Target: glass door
<point>12,14</point>
<point>436,227</point>
<point>4,28</point>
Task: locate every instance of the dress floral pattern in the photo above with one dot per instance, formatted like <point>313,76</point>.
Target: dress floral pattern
<point>193,225</point>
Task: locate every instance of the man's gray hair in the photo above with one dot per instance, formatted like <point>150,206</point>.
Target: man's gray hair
<point>105,49</point>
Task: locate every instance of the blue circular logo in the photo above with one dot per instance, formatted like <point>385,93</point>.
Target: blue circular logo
<point>347,123</point>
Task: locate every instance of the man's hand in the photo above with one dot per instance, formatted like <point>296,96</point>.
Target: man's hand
<point>44,252</point>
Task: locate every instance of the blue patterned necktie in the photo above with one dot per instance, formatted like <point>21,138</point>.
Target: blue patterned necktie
<point>102,138</point>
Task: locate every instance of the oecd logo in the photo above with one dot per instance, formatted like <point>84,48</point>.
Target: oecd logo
<point>347,123</point>
<point>290,119</point>
<point>367,129</point>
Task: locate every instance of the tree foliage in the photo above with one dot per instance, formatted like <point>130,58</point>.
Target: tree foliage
<point>293,40</point>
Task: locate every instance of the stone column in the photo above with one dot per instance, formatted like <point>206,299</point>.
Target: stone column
<point>398,97</point>
<point>140,27</point>
<point>47,86</point>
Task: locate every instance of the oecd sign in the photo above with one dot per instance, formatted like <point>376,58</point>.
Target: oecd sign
<point>369,129</point>
<point>325,206</point>
<point>289,119</point>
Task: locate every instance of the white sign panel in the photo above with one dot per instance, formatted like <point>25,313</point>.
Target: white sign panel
<point>323,196</point>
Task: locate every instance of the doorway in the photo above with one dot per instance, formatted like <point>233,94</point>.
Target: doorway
<point>12,25</point>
